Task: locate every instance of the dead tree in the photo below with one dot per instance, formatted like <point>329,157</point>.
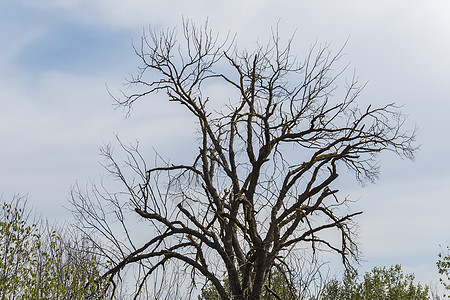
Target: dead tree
<point>262,184</point>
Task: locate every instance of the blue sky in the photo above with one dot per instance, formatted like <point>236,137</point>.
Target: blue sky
<point>57,56</point>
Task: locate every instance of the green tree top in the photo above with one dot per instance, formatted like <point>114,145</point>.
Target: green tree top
<point>37,262</point>
<point>378,284</point>
<point>443,265</point>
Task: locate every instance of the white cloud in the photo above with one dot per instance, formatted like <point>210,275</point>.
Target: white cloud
<point>14,41</point>
<point>52,127</point>
<point>50,130</point>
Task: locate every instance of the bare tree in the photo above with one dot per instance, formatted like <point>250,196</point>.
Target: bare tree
<point>261,186</point>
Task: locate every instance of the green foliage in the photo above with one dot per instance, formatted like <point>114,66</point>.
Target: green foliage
<point>378,284</point>
<point>277,284</point>
<point>43,264</point>
<point>209,293</point>
<point>443,265</point>
<point>16,240</point>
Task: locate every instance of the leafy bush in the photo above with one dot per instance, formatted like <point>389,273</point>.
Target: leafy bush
<point>39,263</point>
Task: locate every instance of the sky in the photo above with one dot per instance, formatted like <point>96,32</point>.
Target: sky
<point>59,58</point>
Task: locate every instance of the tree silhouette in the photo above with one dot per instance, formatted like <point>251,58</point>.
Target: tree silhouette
<point>262,184</point>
